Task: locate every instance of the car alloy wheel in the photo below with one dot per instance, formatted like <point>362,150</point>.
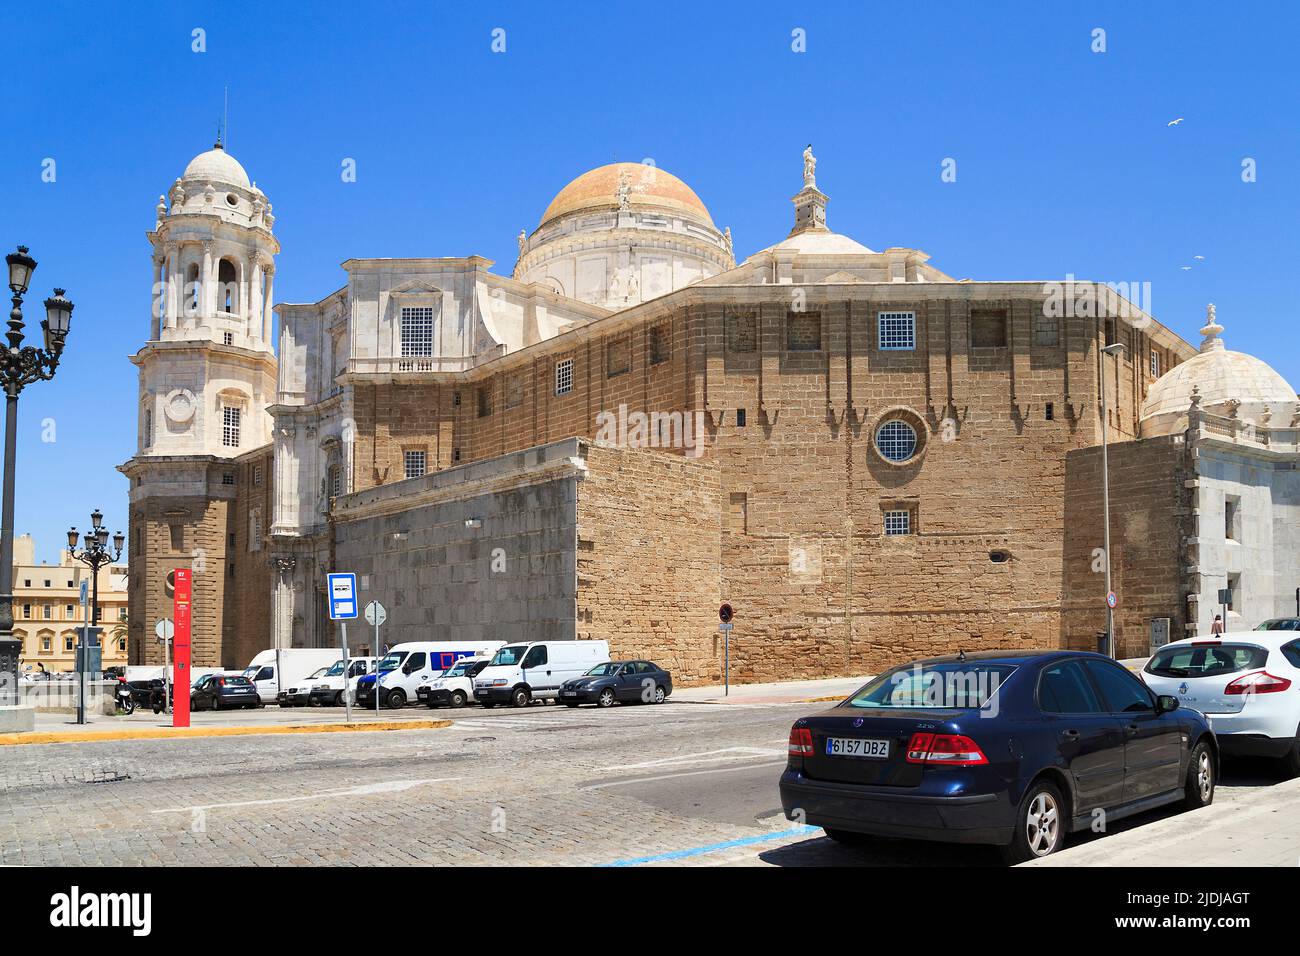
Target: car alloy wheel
<point>1042,824</point>
<point>1199,788</point>
<point>660,696</point>
<point>520,697</point>
<point>458,698</point>
<point>606,698</point>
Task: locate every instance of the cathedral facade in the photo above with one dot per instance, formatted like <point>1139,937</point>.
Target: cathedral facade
<point>867,458</point>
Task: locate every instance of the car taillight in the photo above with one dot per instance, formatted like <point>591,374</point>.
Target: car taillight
<point>949,750</point>
<point>801,744</point>
<point>1260,682</point>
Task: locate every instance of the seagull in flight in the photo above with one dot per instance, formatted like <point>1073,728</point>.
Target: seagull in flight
<point>1185,268</point>
<point>1201,258</point>
<point>1174,122</point>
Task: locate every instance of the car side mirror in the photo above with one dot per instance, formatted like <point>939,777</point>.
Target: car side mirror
<point>1166,704</point>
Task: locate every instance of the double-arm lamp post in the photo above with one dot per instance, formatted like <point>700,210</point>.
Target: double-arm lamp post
<point>20,366</point>
<point>96,554</point>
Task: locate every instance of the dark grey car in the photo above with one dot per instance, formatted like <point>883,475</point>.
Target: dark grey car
<point>628,682</point>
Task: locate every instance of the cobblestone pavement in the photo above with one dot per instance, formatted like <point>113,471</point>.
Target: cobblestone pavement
<point>678,784</point>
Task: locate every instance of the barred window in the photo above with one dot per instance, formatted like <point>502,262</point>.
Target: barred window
<point>227,338</point>
<point>803,332</point>
<point>897,330</point>
<point>898,522</point>
<point>148,427</point>
<point>657,344</point>
<point>742,333</point>
<point>417,331</point>
<point>1046,331</point>
<point>257,476</point>
<point>1155,364</point>
<point>563,376</point>
<point>230,426</point>
<point>896,440</point>
<point>255,530</point>
<point>414,462</point>
<point>334,480</point>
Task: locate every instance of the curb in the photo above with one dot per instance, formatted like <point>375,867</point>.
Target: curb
<point>183,733</point>
<point>722,701</point>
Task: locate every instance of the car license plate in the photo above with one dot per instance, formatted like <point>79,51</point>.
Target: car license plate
<point>857,747</point>
<point>569,693</point>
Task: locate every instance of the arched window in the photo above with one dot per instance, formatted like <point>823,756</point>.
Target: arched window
<point>228,286</point>
<point>148,427</point>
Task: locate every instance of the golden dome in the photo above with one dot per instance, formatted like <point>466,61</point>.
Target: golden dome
<point>644,185</point>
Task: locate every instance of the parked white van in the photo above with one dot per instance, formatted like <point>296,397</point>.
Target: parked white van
<point>523,672</point>
<point>454,687</point>
<point>329,689</point>
<point>295,663</point>
<point>407,666</point>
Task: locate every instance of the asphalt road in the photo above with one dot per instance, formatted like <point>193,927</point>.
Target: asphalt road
<point>677,784</point>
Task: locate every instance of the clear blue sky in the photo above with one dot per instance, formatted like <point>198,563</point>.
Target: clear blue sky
<point>1065,163</point>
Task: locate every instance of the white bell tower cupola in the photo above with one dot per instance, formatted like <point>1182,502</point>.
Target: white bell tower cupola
<point>208,370</point>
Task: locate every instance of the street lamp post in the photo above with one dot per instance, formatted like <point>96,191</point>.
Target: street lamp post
<point>1115,349</point>
<point>20,366</point>
<point>95,555</point>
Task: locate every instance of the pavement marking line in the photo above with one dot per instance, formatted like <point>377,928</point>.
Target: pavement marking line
<point>187,733</point>
<point>707,756</point>
<point>685,773</point>
<point>361,790</point>
<point>715,847</point>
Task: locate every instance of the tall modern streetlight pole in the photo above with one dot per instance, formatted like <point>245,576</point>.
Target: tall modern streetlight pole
<point>1115,349</point>
<point>19,367</point>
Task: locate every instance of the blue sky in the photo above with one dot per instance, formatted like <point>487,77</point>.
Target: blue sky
<point>1065,163</point>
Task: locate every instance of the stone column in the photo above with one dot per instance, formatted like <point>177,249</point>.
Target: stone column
<point>253,315</point>
<point>282,604</point>
<point>157,298</point>
<point>268,316</point>
<point>173,278</point>
<point>206,299</point>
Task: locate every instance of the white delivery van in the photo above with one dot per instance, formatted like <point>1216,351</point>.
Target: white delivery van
<point>407,666</point>
<point>523,672</point>
<point>295,663</point>
<point>329,690</point>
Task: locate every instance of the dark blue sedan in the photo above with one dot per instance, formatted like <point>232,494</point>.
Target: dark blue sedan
<point>1014,748</point>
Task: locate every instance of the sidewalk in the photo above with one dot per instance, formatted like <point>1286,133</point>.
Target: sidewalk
<point>1260,828</point>
<point>827,689</point>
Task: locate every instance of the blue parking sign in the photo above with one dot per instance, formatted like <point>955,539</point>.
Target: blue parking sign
<point>343,596</point>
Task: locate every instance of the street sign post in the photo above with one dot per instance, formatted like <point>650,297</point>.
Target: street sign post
<point>725,614</point>
<point>376,614</point>
<point>165,631</point>
<point>342,587</point>
<point>184,581</point>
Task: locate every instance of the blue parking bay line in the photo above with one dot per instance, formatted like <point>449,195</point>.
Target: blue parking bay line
<point>715,847</point>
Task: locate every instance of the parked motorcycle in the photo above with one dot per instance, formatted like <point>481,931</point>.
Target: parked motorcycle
<point>125,702</point>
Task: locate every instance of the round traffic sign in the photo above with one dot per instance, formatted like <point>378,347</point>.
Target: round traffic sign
<point>1111,600</point>
<point>725,614</point>
<point>164,630</point>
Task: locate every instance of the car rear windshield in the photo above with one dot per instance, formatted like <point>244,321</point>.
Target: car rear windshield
<point>1206,660</point>
<point>233,681</point>
<point>961,685</point>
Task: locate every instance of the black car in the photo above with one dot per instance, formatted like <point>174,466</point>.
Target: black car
<point>629,682</point>
<point>221,691</point>
<point>1014,748</point>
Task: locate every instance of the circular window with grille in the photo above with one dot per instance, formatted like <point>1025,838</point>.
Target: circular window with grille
<point>896,441</point>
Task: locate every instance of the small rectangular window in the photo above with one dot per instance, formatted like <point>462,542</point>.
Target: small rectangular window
<point>740,418</point>
<point>177,532</point>
<point>228,478</point>
<point>1155,364</point>
<point>483,396</point>
<point>1049,412</point>
<point>898,522</point>
<point>257,476</point>
<point>1110,332</point>
<point>563,376</point>
<point>228,338</point>
<point>414,463</point>
<point>1232,517</point>
<point>897,331</point>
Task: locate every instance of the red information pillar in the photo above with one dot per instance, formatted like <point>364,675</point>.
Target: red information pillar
<point>181,646</point>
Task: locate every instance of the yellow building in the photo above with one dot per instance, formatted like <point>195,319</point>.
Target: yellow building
<point>47,611</point>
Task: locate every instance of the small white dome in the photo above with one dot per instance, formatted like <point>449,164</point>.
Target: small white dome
<point>1221,377</point>
<point>216,166</point>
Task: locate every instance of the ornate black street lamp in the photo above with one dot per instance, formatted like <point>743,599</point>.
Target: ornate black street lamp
<point>96,554</point>
<point>20,366</point>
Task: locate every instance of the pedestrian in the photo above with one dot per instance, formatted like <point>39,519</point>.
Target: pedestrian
<point>1217,626</point>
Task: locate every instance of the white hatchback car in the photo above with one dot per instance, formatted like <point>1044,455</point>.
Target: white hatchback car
<point>1247,684</point>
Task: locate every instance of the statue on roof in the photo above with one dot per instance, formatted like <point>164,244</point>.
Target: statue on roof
<point>809,168</point>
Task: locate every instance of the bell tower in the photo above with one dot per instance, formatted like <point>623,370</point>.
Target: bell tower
<point>207,374</point>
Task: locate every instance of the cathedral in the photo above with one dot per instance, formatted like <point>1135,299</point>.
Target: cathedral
<point>869,459</point>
